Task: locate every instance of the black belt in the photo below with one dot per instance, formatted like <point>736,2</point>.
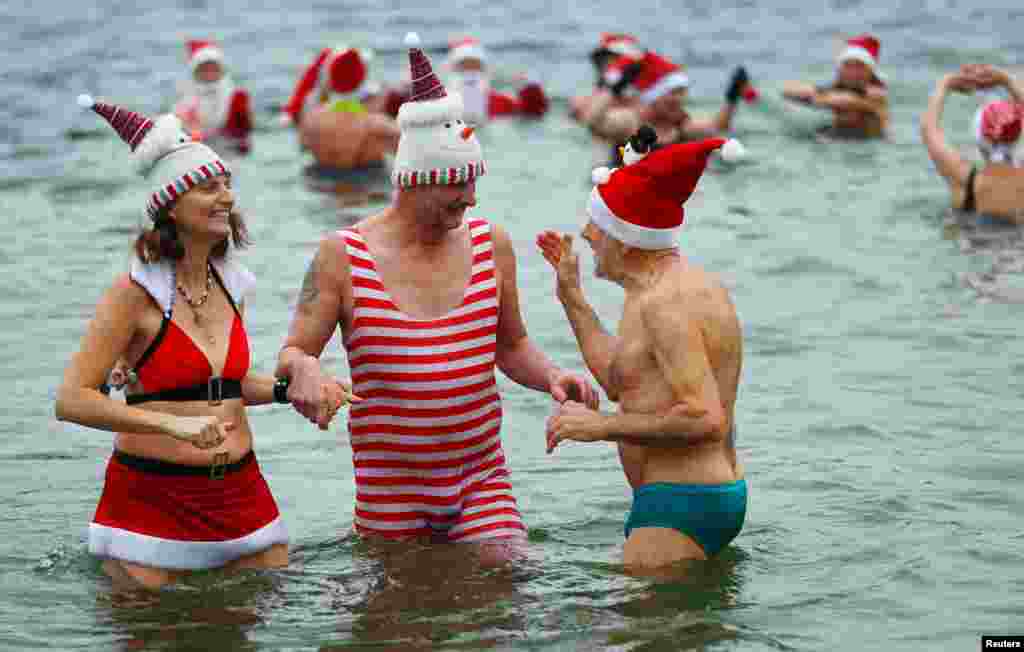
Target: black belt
<point>213,391</point>
<point>216,471</point>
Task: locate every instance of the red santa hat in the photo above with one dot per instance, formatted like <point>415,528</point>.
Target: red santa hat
<point>641,205</point>
<point>658,75</point>
<point>202,51</point>
<point>864,48</point>
<point>340,71</point>
<point>467,47</point>
<point>168,158</point>
<point>620,43</point>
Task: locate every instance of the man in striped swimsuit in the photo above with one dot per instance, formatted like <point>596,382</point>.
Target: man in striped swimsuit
<point>428,306</point>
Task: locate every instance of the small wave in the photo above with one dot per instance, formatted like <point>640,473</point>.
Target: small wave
<point>804,264</point>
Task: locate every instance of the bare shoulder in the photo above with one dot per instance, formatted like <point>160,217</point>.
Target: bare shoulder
<point>126,291</point>
<point>501,238</point>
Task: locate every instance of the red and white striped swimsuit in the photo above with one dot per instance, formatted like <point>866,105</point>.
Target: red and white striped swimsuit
<point>425,440</point>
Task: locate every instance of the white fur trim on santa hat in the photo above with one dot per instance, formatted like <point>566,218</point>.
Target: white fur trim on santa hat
<point>633,235</point>
<point>666,84</point>
<point>206,54</point>
<point>467,51</point>
<point>157,279</point>
<point>430,111</point>
<point>856,53</point>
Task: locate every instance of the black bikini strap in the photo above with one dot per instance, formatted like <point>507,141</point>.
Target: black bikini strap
<point>213,391</point>
<point>968,205</point>
<point>155,343</point>
<point>217,278</point>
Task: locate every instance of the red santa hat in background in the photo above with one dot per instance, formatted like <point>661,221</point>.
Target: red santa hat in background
<point>201,51</point>
<point>641,204</point>
<point>620,43</point>
<point>658,76</point>
<point>864,48</point>
<point>341,72</point>
<point>466,47</point>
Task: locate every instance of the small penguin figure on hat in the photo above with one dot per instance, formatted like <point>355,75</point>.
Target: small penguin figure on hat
<point>640,144</point>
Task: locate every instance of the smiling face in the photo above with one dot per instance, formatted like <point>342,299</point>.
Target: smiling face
<point>204,212</point>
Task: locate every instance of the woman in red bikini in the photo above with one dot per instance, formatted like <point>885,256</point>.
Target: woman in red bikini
<point>183,490</point>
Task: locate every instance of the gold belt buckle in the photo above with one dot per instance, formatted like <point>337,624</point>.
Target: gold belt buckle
<point>220,461</point>
<point>214,390</point>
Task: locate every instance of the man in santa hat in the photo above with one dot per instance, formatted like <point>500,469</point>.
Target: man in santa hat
<point>610,47</point>
<point>210,106</point>
<point>467,60</point>
<point>340,130</point>
<point>857,97</point>
<point>673,367</point>
<point>428,307</point>
<point>660,89</point>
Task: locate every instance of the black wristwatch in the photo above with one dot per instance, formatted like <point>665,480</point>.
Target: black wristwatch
<point>281,390</point>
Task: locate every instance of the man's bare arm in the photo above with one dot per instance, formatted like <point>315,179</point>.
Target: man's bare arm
<point>326,289</point>
<point>679,349</point>
<point>517,356</point>
<point>597,345</point>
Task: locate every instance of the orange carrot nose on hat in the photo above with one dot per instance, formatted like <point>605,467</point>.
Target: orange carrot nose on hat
<point>641,204</point>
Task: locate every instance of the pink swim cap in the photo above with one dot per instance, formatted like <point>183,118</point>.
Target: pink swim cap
<point>1000,122</point>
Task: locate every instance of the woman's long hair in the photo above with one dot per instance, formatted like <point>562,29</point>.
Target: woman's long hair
<point>161,239</point>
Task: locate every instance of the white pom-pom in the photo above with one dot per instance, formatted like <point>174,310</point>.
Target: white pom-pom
<point>412,39</point>
<point>733,150</point>
<point>600,176</point>
<point>86,101</point>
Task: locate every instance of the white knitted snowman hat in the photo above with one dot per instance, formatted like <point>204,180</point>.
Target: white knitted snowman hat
<point>436,145</point>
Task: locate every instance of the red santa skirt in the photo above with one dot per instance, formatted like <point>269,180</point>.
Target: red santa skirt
<point>184,518</point>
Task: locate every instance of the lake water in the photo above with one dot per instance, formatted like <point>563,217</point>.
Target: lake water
<point>880,409</point>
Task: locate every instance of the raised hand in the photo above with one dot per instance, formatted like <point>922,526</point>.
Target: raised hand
<point>983,75</point>
<point>202,432</point>
<point>557,250</point>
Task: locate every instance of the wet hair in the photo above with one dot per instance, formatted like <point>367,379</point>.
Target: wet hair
<point>161,240</point>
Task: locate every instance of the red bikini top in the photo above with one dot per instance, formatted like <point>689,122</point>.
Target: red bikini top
<point>174,368</point>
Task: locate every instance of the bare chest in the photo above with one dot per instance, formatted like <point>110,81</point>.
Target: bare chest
<point>633,360</point>
<point>426,288</point>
